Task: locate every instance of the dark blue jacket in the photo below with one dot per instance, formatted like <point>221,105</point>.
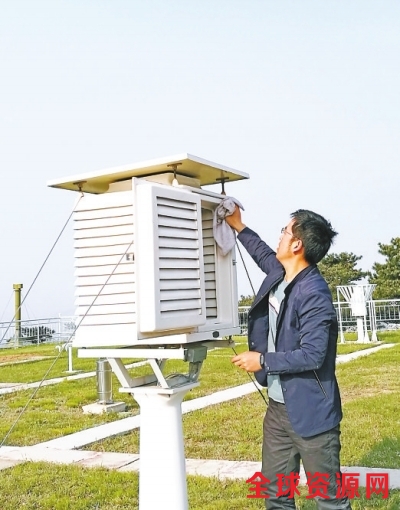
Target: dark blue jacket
<point>306,341</point>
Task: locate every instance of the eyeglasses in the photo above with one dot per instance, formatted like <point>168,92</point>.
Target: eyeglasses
<point>284,231</point>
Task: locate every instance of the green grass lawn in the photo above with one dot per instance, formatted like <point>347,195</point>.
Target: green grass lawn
<point>75,488</point>
<point>232,430</point>
<point>57,409</point>
<point>32,369</point>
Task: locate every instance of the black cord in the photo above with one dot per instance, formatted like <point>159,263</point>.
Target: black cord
<point>245,268</point>
<point>254,293</point>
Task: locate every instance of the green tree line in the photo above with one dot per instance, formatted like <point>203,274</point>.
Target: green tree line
<point>340,269</point>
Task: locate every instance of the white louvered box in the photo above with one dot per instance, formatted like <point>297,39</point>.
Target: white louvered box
<point>148,271</point>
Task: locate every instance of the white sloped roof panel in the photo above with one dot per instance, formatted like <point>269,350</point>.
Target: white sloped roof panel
<point>188,165</point>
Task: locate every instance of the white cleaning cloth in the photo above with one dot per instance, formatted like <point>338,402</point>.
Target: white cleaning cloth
<point>224,235</point>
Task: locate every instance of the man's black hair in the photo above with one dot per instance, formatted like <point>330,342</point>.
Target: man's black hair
<point>315,232</point>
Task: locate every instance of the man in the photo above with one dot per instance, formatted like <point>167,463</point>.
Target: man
<point>292,330</point>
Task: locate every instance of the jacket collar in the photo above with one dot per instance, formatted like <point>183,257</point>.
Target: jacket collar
<point>270,281</point>
<point>278,277</point>
<point>304,272</point>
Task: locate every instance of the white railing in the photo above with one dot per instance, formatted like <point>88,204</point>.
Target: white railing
<point>387,315</point>
<point>37,331</point>
<point>61,329</point>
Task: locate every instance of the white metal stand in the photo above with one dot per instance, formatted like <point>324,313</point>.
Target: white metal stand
<point>362,334</point>
<point>162,472</point>
<point>162,479</point>
<point>357,296</point>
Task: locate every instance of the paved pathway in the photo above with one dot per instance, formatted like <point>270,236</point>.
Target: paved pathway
<point>223,469</point>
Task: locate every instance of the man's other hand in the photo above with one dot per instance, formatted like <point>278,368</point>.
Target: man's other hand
<point>249,361</point>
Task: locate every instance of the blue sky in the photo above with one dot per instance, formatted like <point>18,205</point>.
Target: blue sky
<point>303,96</point>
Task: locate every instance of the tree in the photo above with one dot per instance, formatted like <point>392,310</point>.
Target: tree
<point>340,269</point>
<point>246,300</point>
<point>386,276</point>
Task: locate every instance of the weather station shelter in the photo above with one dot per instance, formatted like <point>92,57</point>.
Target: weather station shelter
<point>152,283</point>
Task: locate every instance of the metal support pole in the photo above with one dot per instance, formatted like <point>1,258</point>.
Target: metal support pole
<point>223,179</point>
<point>69,347</point>
<point>360,330</point>
<point>162,456</point>
<point>372,312</point>
<point>17,295</point>
<point>104,381</point>
<point>366,336</point>
<point>340,317</point>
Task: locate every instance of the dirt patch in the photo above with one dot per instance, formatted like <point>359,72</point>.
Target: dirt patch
<point>14,358</point>
<point>349,395</point>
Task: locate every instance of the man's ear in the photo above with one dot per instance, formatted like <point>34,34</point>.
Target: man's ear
<point>297,246</point>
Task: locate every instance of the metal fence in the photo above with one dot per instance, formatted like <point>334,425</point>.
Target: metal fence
<point>387,313</point>
<point>36,331</point>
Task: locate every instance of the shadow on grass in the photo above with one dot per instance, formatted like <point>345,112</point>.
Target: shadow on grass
<point>384,453</point>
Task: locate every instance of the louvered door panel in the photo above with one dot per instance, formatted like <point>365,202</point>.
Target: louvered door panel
<point>169,259</point>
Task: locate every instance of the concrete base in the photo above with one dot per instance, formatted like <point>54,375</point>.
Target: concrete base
<point>97,408</point>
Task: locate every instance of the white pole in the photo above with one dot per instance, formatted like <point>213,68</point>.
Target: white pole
<point>366,337</point>
<point>69,347</point>
<point>360,330</point>
<point>162,475</point>
<point>340,317</point>
<point>372,308</point>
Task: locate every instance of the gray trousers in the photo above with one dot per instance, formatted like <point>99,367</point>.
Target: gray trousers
<point>281,454</point>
